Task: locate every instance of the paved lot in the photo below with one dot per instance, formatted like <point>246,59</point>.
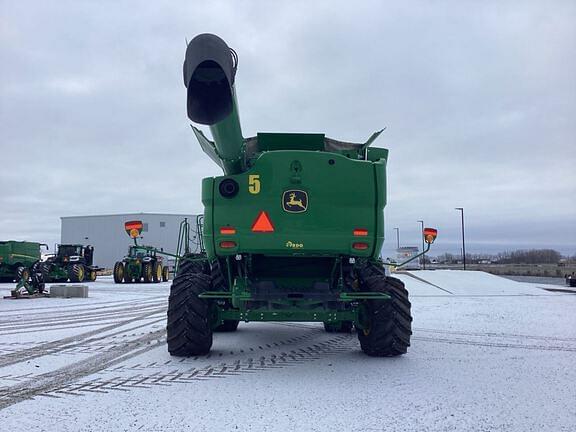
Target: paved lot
<point>487,354</point>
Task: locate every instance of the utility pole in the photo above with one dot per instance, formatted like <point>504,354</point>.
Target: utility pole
<point>461,210</point>
<point>397,238</point>
<point>422,236</point>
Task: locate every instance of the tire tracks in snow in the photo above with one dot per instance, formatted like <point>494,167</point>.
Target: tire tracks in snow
<point>50,348</point>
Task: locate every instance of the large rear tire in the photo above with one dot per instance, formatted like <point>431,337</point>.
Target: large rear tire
<point>387,323</point>
<point>165,274</point>
<point>76,273</point>
<point>157,272</point>
<point>118,272</point>
<point>147,272</point>
<point>22,273</point>
<point>188,330</point>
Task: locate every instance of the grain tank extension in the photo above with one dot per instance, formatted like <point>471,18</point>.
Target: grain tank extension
<point>292,230</point>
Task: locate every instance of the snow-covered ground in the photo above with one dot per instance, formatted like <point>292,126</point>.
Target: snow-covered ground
<point>487,354</point>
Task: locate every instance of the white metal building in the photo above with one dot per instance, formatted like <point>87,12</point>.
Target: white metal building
<point>106,233</point>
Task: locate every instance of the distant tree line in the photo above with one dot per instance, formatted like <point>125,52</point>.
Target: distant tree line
<point>530,256</point>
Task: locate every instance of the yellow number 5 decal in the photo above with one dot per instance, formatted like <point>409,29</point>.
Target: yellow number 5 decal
<point>254,183</point>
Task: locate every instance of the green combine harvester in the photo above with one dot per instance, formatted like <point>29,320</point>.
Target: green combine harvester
<point>17,259</point>
<point>292,230</point>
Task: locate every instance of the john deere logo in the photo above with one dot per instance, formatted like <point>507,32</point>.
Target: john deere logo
<point>295,201</point>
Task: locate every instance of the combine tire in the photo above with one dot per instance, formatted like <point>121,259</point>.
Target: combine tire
<point>188,330</point>
<point>342,327</point>
<point>165,274</point>
<point>76,273</point>
<point>157,272</point>
<point>147,272</point>
<point>22,273</point>
<point>387,322</point>
<point>189,266</point>
<point>219,284</point>
<point>118,272</point>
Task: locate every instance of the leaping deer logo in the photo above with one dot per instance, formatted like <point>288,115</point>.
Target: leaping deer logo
<point>295,201</point>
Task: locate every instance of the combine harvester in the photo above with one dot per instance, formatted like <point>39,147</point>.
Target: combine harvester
<point>292,230</point>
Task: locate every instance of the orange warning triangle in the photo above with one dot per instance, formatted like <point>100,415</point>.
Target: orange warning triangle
<point>262,223</point>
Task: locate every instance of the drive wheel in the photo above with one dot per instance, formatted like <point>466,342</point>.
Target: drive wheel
<point>157,272</point>
<point>118,272</point>
<point>165,274</point>
<point>188,329</point>
<point>22,273</point>
<point>45,271</point>
<point>189,266</point>
<point>386,324</point>
<point>147,272</point>
<point>92,275</point>
<point>76,273</point>
<point>341,327</point>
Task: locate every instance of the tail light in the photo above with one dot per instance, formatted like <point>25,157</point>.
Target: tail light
<point>360,245</point>
<point>227,244</point>
<point>227,230</point>
<point>360,232</point>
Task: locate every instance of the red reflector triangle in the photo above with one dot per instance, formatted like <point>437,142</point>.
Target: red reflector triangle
<point>262,223</point>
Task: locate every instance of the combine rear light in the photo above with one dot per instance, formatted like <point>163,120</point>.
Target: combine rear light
<point>360,246</point>
<point>360,232</point>
<point>227,230</point>
<point>227,244</point>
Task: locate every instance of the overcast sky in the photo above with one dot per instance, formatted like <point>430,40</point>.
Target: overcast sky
<point>479,101</point>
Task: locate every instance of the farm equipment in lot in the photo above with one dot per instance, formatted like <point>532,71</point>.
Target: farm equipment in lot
<point>72,262</point>
<point>292,230</point>
<point>142,264</point>
<point>17,259</point>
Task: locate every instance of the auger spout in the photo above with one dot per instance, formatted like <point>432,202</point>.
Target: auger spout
<point>209,71</point>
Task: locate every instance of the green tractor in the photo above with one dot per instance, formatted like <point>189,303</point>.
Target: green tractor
<point>17,259</point>
<point>72,262</point>
<point>142,264</point>
<point>292,231</point>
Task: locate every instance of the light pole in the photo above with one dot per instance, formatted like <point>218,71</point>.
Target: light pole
<point>422,235</point>
<point>397,238</point>
<point>461,209</point>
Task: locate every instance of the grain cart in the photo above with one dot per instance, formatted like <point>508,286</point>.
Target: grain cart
<point>72,262</point>
<point>292,230</point>
<point>142,262</point>
<point>17,259</point>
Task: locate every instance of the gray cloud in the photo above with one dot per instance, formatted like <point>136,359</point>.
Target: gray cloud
<point>479,99</point>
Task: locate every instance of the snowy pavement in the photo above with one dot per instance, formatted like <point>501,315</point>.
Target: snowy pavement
<point>487,354</point>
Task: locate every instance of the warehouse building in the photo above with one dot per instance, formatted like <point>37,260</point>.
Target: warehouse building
<point>106,233</point>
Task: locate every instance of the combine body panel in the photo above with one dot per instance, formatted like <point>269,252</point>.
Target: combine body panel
<point>292,230</point>
<point>17,259</point>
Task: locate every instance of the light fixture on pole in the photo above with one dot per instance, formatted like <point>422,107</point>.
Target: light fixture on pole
<point>422,235</point>
<point>461,210</point>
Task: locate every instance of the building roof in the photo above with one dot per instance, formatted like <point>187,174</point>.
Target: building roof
<point>129,214</point>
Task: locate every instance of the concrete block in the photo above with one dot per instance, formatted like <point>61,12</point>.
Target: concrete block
<point>68,291</point>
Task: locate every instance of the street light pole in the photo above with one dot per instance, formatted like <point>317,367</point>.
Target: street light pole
<point>422,235</point>
<point>397,238</point>
<point>461,209</point>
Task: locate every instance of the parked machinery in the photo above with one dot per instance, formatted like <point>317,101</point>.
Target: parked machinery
<point>17,259</point>
<point>72,262</point>
<point>292,230</point>
<point>142,264</point>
